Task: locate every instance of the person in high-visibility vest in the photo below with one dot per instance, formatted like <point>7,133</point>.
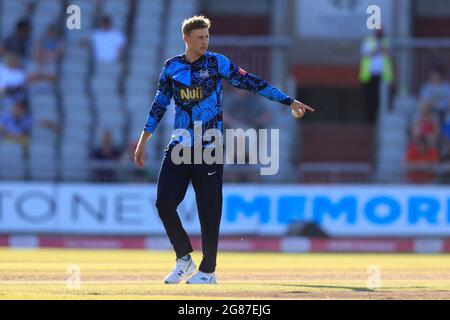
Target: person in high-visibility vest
<point>376,66</point>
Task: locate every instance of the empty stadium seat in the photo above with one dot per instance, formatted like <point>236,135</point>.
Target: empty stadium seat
<point>74,170</point>
<point>104,85</point>
<point>12,165</point>
<point>40,134</point>
<point>108,70</point>
<point>43,169</point>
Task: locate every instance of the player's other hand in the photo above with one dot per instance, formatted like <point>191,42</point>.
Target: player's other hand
<point>139,156</point>
<point>301,108</point>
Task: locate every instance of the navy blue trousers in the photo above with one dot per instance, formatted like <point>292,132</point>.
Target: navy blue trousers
<point>207,181</point>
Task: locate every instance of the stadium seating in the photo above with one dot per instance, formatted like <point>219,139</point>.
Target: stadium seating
<point>11,166</point>
<point>393,140</point>
<point>90,98</point>
<point>46,12</point>
<point>43,161</point>
<point>11,12</point>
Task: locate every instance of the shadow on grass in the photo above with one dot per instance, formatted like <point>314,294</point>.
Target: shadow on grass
<point>328,287</point>
<point>356,289</point>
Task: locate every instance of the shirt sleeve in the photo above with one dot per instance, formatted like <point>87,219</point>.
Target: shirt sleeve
<point>160,102</point>
<point>242,79</point>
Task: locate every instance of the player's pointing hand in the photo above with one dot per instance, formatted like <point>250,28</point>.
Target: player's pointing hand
<point>299,109</point>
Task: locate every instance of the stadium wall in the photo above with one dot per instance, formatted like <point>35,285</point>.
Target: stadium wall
<point>239,244</point>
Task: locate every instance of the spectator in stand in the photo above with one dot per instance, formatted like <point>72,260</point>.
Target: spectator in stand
<point>13,80</point>
<point>437,91</point>
<point>50,47</point>
<point>42,80</point>
<point>16,125</point>
<point>106,152</point>
<point>47,52</point>
<point>107,43</point>
<point>423,147</point>
<point>421,153</point>
<point>18,42</point>
<point>426,125</point>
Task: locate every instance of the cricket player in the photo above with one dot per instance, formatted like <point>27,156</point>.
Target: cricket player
<point>194,81</point>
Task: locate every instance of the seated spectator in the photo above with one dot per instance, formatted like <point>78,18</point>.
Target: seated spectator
<point>50,47</point>
<point>426,125</point>
<point>18,43</point>
<point>16,125</point>
<point>106,151</point>
<point>107,43</point>
<point>423,147</point>
<point>421,153</point>
<point>13,80</point>
<point>437,91</point>
<point>41,76</point>
<point>46,55</point>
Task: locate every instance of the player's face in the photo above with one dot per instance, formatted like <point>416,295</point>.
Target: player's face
<point>198,40</point>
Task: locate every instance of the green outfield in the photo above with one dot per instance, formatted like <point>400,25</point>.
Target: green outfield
<point>138,274</point>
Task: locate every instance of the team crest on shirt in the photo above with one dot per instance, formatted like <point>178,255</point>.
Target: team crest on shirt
<point>203,74</point>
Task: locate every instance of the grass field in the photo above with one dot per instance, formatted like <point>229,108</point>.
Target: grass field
<point>138,274</point>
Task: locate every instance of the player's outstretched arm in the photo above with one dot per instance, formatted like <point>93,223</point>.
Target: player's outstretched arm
<point>139,153</point>
<point>242,79</point>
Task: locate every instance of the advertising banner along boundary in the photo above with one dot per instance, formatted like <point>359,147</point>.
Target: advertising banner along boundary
<point>268,210</point>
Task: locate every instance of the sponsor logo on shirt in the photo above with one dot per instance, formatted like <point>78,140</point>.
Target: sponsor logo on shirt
<point>194,93</point>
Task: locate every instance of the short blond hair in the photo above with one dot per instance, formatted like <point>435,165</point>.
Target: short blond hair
<point>194,23</point>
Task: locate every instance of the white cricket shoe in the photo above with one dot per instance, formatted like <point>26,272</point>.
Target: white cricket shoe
<point>202,278</point>
<point>183,269</point>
